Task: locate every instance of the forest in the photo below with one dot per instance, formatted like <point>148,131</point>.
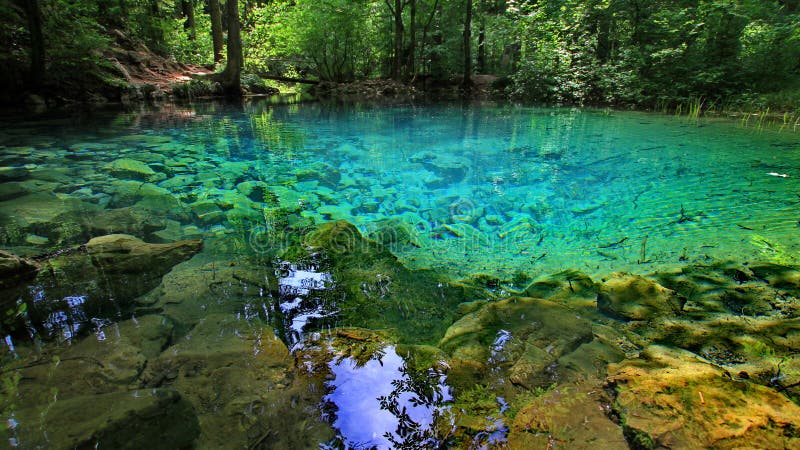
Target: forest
<point>716,54</point>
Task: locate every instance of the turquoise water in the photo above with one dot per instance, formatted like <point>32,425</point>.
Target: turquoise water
<point>510,193</point>
<point>495,189</point>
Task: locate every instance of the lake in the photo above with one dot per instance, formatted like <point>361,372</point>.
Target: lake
<point>403,276</point>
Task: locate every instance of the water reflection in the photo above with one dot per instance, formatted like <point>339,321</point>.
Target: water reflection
<point>382,404</point>
<point>300,288</point>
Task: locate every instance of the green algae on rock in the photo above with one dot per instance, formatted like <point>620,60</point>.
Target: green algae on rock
<point>673,399</point>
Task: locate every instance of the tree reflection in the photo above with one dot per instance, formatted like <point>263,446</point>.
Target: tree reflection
<point>419,389</point>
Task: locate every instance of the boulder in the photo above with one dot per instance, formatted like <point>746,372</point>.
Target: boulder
<point>633,297</point>
<point>130,169</point>
<point>670,398</point>
<point>524,336</point>
<point>567,417</point>
<point>101,279</point>
<point>15,270</point>
<point>147,418</point>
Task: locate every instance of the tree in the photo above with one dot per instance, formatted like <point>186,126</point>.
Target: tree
<point>34,17</point>
<point>216,28</point>
<point>187,9</point>
<point>467,83</point>
<point>230,78</point>
<point>397,58</point>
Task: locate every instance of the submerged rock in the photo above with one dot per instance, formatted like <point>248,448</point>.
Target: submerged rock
<point>566,417</point>
<point>131,169</point>
<point>672,399</point>
<point>147,418</point>
<point>374,290</point>
<point>15,270</point>
<point>633,297</point>
<point>101,279</point>
<point>526,336</point>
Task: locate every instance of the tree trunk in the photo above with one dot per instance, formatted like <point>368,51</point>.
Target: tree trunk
<point>187,7</point>
<point>412,41</point>
<point>216,28</point>
<point>34,16</point>
<point>398,39</point>
<point>467,83</point>
<point>482,47</point>
<point>156,34</point>
<point>230,78</point>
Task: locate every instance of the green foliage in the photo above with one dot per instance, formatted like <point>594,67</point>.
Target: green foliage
<point>330,37</point>
<point>193,89</point>
<point>189,48</point>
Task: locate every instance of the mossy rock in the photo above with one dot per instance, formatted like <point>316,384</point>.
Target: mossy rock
<point>670,398</point>
<point>377,291</point>
<point>149,418</point>
<point>130,169</point>
<point>633,297</point>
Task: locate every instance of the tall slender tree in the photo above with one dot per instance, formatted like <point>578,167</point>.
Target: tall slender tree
<point>33,15</point>
<point>230,78</point>
<point>216,28</point>
<point>466,85</point>
<point>187,8</point>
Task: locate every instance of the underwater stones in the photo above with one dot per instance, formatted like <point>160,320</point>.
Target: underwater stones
<point>13,174</point>
<point>396,233</point>
<point>102,278</point>
<point>257,191</point>
<point>130,169</point>
<point>15,270</point>
<point>336,212</point>
<point>292,200</point>
<point>572,416</point>
<point>534,334</point>
<point>779,276</point>
<point>565,285</point>
<point>179,182</point>
<point>12,190</point>
<point>124,254</point>
<point>37,213</point>
<point>324,173</point>
<point>207,211</point>
<point>670,398</point>
<point>147,418</point>
<point>109,221</point>
<point>107,361</point>
<point>232,371</point>
<point>633,297</point>
<point>451,169</point>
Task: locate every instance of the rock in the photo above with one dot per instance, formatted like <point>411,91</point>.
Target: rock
<point>567,417</point>
<point>101,279</point>
<point>130,221</point>
<point>369,274</point>
<point>526,336</point>
<point>257,191</point>
<point>452,169</point>
<point>15,270</point>
<point>13,174</point>
<point>672,399</point>
<point>130,169</point>
<point>39,213</point>
<point>633,297</point>
<point>147,418</point>
<point>124,254</point>
<point>109,360</point>
<point>36,240</point>
<point>12,190</point>
<point>208,211</point>
<point>235,373</point>
<point>15,274</point>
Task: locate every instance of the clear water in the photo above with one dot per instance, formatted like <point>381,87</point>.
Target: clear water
<point>507,191</point>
